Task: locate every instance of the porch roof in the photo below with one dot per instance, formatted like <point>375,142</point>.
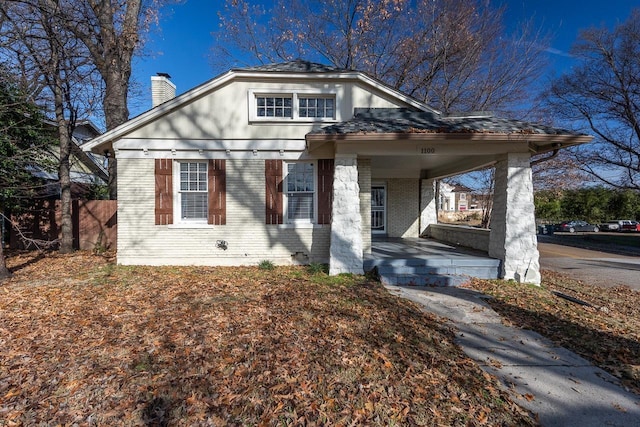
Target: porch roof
<point>407,124</point>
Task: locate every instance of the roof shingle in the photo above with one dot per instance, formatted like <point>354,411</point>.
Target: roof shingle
<point>297,66</point>
<point>404,120</point>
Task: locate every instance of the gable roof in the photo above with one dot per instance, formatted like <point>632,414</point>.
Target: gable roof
<point>297,66</point>
<point>295,69</point>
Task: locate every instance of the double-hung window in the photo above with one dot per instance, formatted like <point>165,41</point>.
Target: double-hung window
<point>300,184</point>
<point>193,198</point>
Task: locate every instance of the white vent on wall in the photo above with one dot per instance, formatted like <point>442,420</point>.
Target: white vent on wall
<point>162,89</point>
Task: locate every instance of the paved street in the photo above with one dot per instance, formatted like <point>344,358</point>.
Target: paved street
<point>591,266</point>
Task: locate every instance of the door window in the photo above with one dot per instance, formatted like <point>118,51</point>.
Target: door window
<point>378,209</point>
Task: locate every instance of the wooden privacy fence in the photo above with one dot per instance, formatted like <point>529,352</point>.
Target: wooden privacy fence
<point>94,224</point>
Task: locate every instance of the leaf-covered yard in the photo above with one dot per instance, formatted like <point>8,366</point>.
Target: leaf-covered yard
<point>86,342</point>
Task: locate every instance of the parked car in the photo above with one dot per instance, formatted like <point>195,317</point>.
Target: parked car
<point>610,226</point>
<point>620,225</point>
<point>577,225</point>
<point>630,226</point>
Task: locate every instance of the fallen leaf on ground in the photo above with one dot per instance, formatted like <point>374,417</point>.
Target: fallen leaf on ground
<point>87,342</point>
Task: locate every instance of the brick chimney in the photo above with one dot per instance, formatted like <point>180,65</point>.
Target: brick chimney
<point>162,89</point>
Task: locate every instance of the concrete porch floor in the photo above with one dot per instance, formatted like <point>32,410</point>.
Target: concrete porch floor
<point>427,262</point>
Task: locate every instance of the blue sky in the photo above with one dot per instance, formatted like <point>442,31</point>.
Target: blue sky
<point>182,44</point>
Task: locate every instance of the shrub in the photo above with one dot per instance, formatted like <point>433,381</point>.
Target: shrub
<point>266,265</point>
<point>316,268</point>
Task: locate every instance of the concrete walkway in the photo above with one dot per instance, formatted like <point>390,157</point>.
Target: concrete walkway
<point>559,386</point>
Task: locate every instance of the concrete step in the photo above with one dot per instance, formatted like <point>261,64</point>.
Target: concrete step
<point>433,271</point>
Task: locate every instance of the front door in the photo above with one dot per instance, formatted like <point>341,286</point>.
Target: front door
<point>378,209</point>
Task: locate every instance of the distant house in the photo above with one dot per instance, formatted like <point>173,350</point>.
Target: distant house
<point>456,198</point>
<point>303,162</point>
<point>87,169</point>
<point>40,220</point>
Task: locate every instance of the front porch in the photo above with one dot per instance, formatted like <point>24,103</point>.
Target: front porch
<point>382,147</point>
<point>410,210</point>
<point>427,262</point>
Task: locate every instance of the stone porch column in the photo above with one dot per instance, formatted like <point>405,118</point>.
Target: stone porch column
<point>428,204</point>
<point>345,252</point>
<point>513,228</point>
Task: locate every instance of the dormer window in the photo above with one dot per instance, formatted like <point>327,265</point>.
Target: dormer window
<point>302,106</point>
<point>274,106</point>
<point>317,106</point>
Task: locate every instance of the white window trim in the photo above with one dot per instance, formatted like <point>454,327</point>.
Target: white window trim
<point>177,199</point>
<point>274,95</point>
<point>285,198</point>
<point>294,94</point>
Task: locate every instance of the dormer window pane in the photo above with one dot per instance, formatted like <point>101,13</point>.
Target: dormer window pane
<point>274,106</point>
<point>316,107</point>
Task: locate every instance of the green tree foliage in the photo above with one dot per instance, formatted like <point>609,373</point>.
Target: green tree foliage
<point>548,206</point>
<point>590,204</point>
<point>625,204</point>
<point>21,135</point>
<point>595,205</point>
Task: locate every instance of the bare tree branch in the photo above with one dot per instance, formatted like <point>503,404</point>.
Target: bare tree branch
<point>454,54</point>
<point>602,96</point>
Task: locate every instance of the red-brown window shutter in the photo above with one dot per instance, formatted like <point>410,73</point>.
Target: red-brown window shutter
<point>325,190</point>
<point>217,192</point>
<point>164,191</point>
<point>273,179</point>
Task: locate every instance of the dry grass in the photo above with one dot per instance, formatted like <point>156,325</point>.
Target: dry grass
<point>86,342</point>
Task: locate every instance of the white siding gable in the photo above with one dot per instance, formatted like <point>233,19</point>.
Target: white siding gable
<point>227,112</point>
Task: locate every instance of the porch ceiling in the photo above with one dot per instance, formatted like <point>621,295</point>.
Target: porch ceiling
<point>435,166</point>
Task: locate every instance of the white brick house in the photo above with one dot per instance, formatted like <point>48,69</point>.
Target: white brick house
<point>301,162</point>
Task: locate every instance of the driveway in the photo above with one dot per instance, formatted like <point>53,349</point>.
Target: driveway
<point>591,266</point>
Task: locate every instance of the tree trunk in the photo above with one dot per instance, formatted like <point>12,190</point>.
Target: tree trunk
<point>115,108</point>
<point>112,170</point>
<point>4,271</point>
<point>112,53</point>
<point>116,80</point>
<point>64,170</point>
<point>64,175</point>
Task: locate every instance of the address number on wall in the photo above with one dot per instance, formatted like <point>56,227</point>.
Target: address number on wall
<point>427,150</point>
